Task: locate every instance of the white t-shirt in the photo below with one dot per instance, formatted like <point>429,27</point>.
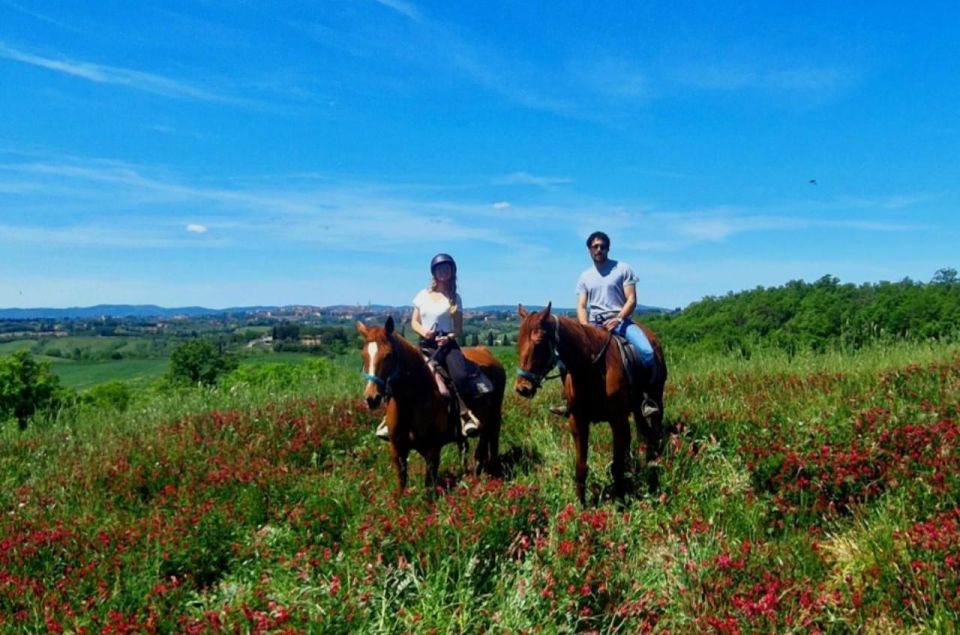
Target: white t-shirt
<point>435,310</point>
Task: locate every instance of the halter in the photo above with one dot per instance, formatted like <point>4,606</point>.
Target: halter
<point>536,379</point>
<point>383,385</point>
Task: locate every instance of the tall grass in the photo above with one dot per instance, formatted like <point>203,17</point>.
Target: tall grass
<point>803,494</point>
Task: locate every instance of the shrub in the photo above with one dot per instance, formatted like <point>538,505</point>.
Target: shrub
<point>199,362</point>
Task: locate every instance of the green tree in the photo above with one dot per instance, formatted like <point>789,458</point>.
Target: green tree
<point>26,386</point>
<point>947,276</point>
<point>199,362</point>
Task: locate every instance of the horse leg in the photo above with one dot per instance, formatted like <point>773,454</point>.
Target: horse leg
<point>581,438</point>
<point>621,448</point>
<point>651,428</point>
<point>487,454</point>
<point>399,459</point>
<point>493,445</point>
<point>431,476</point>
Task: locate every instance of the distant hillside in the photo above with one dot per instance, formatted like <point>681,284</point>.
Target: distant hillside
<point>118,311</point>
<point>154,311</point>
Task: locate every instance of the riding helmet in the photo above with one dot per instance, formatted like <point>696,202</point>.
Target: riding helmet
<point>439,259</point>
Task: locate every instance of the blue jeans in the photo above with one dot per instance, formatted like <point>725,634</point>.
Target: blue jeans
<point>635,335</point>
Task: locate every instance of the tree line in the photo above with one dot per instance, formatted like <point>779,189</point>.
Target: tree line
<point>816,316</point>
<point>798,316</point>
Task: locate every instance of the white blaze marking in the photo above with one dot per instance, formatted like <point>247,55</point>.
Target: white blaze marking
<point>372,356</point>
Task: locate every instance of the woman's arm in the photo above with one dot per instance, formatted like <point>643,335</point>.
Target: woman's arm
<point>418,326</point>
<point>458,324</point>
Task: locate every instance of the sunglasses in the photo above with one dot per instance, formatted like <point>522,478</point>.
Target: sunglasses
<point>599,246</point>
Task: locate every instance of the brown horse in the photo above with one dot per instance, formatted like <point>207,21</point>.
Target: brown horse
<point>596,387</point>
<point>419,417</point>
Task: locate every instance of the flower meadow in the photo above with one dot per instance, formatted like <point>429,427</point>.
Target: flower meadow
<point>816,495</point>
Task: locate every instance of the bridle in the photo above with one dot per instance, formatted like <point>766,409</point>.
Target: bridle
<point>383,385</point>
<point>538,379</point>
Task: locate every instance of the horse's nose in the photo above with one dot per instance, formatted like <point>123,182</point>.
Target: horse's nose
<point>524,389</point>
<point>373,401</point>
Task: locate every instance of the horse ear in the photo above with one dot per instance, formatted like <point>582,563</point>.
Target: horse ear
<point>361,328</point>
<point>522,312</point>
<point>546,311</point>
<point>388,325</point>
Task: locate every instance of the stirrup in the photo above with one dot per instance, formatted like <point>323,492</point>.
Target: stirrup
<point>383,432</point>
<point>470,425</point>
<point>648,408</point>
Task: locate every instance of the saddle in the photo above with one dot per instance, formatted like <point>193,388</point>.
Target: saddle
<point>631,364</point>
<point>440,375</point>
<point>481,383</point>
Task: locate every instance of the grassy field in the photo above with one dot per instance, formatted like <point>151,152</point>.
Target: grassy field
<point>85,374</point>
<point>798,495</point>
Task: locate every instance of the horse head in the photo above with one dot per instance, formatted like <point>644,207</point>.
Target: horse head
<point>381,361</point>
<point>537,349</point>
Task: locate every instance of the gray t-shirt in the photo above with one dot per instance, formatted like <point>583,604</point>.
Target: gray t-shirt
<point>603,287</point>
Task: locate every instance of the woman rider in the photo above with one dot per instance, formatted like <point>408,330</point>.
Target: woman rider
<point>438,320</point>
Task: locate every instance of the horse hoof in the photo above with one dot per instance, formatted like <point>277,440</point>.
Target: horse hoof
<point>383,432</point>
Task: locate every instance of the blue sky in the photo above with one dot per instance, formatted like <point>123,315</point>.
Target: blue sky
<point>220,153</point>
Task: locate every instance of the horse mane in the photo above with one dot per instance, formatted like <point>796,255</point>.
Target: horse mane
<point>412,359</point>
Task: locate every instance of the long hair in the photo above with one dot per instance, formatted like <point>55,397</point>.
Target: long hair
<point>450,293</point>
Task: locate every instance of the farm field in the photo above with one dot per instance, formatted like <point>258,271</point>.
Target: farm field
<point>85,374</point>
<point>817,493</point>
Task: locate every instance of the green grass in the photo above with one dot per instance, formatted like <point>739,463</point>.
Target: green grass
<point>82,375</point>
<point>85,374</point>
<point>817,493</point>
<point>8,348</point>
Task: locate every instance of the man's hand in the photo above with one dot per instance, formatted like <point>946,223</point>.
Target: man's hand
<point>612,323</point>
<point>443,339</point>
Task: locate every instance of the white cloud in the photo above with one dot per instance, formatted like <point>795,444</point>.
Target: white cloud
<point>196,228</point>
<point>501,205</point>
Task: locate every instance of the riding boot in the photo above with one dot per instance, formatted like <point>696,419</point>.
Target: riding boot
<point>646,377</point>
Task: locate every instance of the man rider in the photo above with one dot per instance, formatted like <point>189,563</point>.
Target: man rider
<point>606,298</point>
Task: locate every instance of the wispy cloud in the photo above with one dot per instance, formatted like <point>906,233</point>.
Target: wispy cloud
<point>136,205</point>
<point>403,8</point>
<point>103,74</point>
<point>37,15</point>
<point>888,202</point>
<point>311,213</point>
<point>720,225</point>
<point>526,178</point>
<point>733,77</point>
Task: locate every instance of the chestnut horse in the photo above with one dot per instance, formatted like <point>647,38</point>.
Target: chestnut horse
<point>596,386</point>
<point>419,417</point>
